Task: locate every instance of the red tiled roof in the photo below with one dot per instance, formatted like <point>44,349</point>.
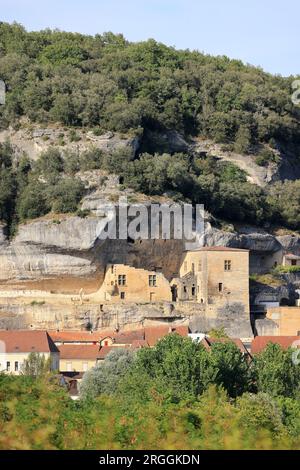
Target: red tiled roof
<point>127,337</point>
<point>155,333</point>
<point>104,351</point>
<point>260,342</point>
<point>148,336</point>
<point>218,248</point>
<point>79,351</point>
<point>139,343</point>
<point>207,342</point>
<point>79,336</point>
<point>27,341</point>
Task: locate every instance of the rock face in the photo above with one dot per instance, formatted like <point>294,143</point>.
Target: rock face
<point>290,243</point>
<point>130,315</point>
<point>34,142</point>
<point>72,233</point>
<point>247,238</point>
<point>261,293</point>
<point>266,327</point>
<point>72,246</point>
<point>286,168</point>
<point>169,141</point>
<point>233,319</point>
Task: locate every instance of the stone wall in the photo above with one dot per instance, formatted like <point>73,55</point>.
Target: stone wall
<point>287,320</point>
<point>127,284</point>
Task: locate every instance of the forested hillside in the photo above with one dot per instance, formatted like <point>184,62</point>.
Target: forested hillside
<point>105,83</point>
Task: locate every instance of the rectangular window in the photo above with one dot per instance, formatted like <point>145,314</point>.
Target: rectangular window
<point>220,287</point>
<point>227,265</point>
<point>200,266</point>
<point>69,366</point>
<point>122,280</point>
<point>294,262</point>
<point>193,267</point>
<point>85,366</point>
<point>8,366</point>
<point>185,265</point>
<point>122,295</point>
<point>152,280</point>
<point>16,366</point>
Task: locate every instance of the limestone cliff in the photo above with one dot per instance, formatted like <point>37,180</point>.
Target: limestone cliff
<point>33,140</point>
<point>64,254</point>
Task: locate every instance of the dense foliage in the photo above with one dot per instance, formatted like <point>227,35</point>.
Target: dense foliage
<point>106,81</point>
<point>175,396</point>
<point>32,189</point>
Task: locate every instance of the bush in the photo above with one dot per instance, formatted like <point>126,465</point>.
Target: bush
<point>275,373</point>
<point>260,412</point>
<point>32,202</point>
<point>265,157</point>
<point>286,269</point>
<point>104,378</point>
<point>65,195</point>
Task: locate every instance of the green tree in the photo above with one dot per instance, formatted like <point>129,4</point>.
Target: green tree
<point>275,372</point>
<point>65,195</point>
<point>175,369</point>
<point>231,369</point>
<point>242,140</point>
<point>104,378</point>
<point>32,201</point>
<point>36,365</point>
<point>259,412</point>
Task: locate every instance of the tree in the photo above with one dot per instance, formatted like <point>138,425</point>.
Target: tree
<point>50,164</point>
<point>175,369</point>
<point>275,373</point>
<point>284,199</point>
<point>36,365</point>
<point>260,412</point>
<point>32,201</point>
<point>242,140</point>
<point>104,378</point>
<point>218,333</point>
<point>65,195</point>
<point>230,368</point>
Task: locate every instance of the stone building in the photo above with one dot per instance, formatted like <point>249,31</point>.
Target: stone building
<point>80,357</point>
<point>124,283</point>
<point>291,260</point>
<point>216,277</point>
<point>281,321</point>
<point>16,346</point>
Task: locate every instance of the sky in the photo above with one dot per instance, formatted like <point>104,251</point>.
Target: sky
<point>260,32</point>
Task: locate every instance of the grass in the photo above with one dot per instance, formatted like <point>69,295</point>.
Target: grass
<point>268,279</point>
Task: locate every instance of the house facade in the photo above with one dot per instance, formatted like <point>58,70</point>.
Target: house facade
<point>78,358</point>
<point>290,260</point>
<point>124,283</point>
<point>16,345</point>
